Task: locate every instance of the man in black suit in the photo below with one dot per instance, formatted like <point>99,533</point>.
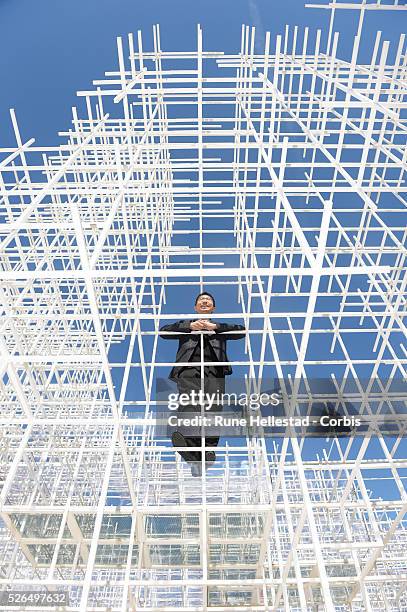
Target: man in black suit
<point>200,341</point>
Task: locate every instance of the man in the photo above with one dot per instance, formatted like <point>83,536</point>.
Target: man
<point>200,341</point>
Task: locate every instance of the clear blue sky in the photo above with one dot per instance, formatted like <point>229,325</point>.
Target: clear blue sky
<point>51,48</point>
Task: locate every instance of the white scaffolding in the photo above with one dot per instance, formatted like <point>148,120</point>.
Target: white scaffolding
<point>275,179</point>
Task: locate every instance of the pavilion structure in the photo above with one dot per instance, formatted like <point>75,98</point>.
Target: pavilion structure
<point>275,180</point>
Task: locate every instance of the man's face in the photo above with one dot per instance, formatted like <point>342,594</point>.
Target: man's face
<point>204,305</point>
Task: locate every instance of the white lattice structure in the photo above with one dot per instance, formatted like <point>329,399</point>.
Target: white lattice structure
<point>279,180</point>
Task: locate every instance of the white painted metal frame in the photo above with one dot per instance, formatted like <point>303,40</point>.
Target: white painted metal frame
<point>277,180</point>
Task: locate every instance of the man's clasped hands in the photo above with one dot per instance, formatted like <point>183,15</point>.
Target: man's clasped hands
<point>203,324</point>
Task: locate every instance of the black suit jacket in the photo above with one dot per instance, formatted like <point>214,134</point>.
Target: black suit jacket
<point>189,339</point>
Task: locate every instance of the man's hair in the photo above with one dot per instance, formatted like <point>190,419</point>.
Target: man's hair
<point>204,293</point>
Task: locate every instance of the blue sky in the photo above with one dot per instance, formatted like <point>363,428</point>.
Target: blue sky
<point>49,49</point>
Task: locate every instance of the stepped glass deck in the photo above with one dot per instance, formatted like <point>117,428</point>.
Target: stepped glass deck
<point>276,180</point>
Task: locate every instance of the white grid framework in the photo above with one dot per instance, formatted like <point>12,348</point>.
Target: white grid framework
<point>277,178</point>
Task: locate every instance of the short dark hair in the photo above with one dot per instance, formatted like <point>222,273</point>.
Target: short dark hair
<point>204,293</point>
